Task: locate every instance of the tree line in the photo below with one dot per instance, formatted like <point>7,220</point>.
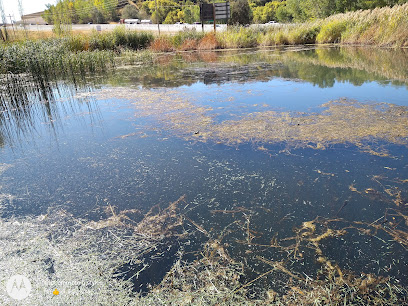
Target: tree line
<point>171,11</point>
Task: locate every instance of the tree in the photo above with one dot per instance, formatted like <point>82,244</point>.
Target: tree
<point>82,11</point>
<point>130,12</point>
<point>172,17</point>
<point>283,14</point>
<point>262,14</point>
<point>240,12</point>
<point>303,10</point>
<point>191,12</point>
<point>97,16</point>
<point>163,8</point>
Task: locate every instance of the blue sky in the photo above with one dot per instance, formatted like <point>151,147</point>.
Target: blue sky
<point>29,6</point>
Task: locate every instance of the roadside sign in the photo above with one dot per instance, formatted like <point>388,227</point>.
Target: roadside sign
<point>211,11</point>
<point>206,11</point>
<point>222,10</point>
<point>214,11</point>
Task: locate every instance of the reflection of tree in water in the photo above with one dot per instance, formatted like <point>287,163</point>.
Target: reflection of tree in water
<point>356,65</point>
<point>26,101</point>
<point>24,97</point>
<point>322,67</point>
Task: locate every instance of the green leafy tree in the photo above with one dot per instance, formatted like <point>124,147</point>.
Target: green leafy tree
<point>81,11</point>
<point>130,12</point>
<point>262,14</point>
<point>302,10</point>
<point>164,7</point>
<point>240,12</point>
<point>172,17</point>
<point>191,12</point>
<point>97,16</point>
<point>283,14</point>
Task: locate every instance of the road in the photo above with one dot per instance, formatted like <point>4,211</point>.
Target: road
<point>164,28</point>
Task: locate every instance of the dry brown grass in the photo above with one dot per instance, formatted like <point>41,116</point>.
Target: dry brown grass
<point>161,44</point>
<point>208,42</point>
<point>188,44</point>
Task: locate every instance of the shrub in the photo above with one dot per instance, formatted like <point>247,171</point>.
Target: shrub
<point>304,34</point>
<point>138,40</point>
<point>189,44</point>
<point>119,36</point>
<point>188,35</point>
<point>101,41</point>
<point>238,37</point>
<point>161,44</point>
<point>331,31</point>
<point>208,42</point>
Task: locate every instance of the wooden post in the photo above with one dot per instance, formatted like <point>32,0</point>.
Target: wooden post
<point>214,18</point>
<point>157,17</point>
<point>201,16</point>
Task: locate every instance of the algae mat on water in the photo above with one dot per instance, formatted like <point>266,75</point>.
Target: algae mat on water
<point>366,125</point>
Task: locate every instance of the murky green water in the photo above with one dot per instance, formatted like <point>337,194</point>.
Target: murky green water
<point>199,125</point>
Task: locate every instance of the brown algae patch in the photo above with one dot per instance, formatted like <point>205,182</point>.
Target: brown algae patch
<point>340,122</point>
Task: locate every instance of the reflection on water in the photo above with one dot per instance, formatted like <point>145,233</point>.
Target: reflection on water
<point>270,182</point>
<point>27,103</point>
<point>322,67</point>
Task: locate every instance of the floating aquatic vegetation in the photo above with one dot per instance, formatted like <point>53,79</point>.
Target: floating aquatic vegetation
<point>386,190</point>
<point>365,125</point>
<point>216,277</point>
<point>82,258</point>
<point>56,250</point>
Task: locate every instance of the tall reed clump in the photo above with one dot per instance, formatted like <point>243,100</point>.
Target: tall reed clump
<point>304,34</point>
<point>162,44</point>
<point>382,26</point>
<point>296,34</point>
<point>208,42</point>
<point>277,35</point>
<point>239,37</point>
<point>118,40</point>
<point>187,40</point>
<point>332,30</point>
<point>131,39</point>
<point>46,59</point>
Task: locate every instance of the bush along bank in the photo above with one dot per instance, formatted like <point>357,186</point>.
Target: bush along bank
<point>384,27</point>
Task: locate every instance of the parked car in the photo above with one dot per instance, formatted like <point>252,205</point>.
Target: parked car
<point>132,21</point>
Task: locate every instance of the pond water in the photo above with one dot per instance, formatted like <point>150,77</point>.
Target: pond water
<point>259,142</point>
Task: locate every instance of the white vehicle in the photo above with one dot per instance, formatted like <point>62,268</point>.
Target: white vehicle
<point>146,21</point>
<point>132,21</point>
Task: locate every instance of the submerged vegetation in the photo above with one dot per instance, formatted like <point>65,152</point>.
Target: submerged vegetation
<point>210,250</point>
<point>112,259</point>
<point>365,125</point>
